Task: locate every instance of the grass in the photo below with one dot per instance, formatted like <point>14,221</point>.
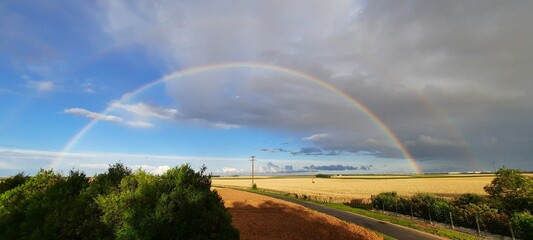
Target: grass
<point>444,232</point>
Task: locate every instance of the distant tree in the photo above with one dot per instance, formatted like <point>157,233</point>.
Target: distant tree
<point>511,190</point>
<point>323,176</point>
<point>13,182</point>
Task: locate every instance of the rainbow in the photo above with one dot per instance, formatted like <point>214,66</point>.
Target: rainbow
<point>275,68</point>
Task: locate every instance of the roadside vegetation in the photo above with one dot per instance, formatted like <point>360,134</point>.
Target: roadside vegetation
<point>366,211</point>
<point>118,204</point>
<point>506,210</point>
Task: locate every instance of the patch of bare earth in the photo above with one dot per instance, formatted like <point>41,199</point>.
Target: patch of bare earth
<point>261,217</point>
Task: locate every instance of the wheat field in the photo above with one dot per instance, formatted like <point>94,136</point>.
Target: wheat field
<point>346,189</point>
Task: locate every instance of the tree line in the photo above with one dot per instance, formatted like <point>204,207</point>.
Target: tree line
<point>507,209</point>
<point>118,204</point>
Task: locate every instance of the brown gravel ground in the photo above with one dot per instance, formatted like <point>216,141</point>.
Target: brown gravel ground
<point>260,217</point>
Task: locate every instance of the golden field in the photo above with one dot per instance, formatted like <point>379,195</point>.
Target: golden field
<point>345,189</point>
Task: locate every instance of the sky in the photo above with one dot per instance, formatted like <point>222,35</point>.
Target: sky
<point>354,87</point>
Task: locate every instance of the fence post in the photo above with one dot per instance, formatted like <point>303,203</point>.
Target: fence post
<point>511,228</point>
<point>478,228</point>
<point>451,220</point>
<point>429,213</point>
<point>412,215</point>
<point>396,205</point>
<point>383,206</point>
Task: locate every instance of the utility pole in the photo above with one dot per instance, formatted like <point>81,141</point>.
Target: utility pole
<point>253,160</point>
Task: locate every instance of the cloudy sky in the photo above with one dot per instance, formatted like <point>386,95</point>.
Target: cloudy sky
<point>306,86</point>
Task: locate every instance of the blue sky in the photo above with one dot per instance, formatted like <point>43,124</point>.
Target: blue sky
<point>452,80</point>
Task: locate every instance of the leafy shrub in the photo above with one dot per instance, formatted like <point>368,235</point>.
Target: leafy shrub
<point>421,204</point>
<point>386,201</point>
<point>13,203</point>
<point>117,204</point>
<point>495,222</point>
<point>51,206</point>
<point>358,203</point>
<point>12,182</point>
<point>523,225</point>
<point>510,194</point>
<point>440,210</point>
<point>511,190</point>
<point>470,198</point>
<point>177,205</point>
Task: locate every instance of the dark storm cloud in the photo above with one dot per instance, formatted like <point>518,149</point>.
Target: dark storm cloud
<point>366,168</point>
<point>273,150</point>
<point>331,168</point>
<point>315,151</point>
<point>273,168</point>
<point>452,79</point>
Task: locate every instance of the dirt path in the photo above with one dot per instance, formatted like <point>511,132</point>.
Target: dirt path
<point>261,217</point>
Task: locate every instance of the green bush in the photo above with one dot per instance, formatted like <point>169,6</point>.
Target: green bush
<point>177,205</point>
<point>511,191</point>
<point>440,210</point>
<point>51,206</point>
<point>13,182</point>
<point>421,203</point>
<point>385,201</point>
<point>115,205</point>
<point>470,198</point>
<point>523,225</point>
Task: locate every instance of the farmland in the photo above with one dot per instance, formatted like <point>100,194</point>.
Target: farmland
<point>261,217</point>
<point>343,189</point>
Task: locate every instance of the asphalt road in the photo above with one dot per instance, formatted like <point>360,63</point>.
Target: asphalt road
<point>389,229</point>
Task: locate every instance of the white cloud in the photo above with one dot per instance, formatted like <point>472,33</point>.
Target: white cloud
<point>147,110</point>
<point>94,165</point>
<point>269,168</point>
<point>88,87</point>
<point>140,124</point>
<point>317,137</point>
<point>88,90</point>
<point>93,115</point>
<point>231,170</point>
<point>158,170</point>
<point>222,125</point>
<point>41,86</point>
<point>152,111</point>
<point>107,117</point>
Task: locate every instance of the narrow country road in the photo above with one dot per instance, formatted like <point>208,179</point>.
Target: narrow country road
<point>389,229</point>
